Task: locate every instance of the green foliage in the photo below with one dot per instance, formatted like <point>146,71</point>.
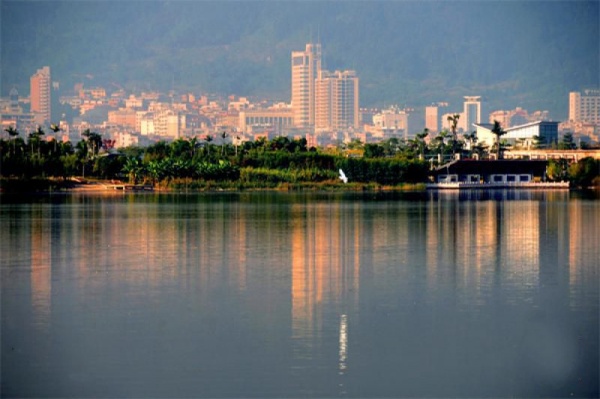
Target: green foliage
<point>557,170</point>
<point>374,151</point>
<point>567,142</point>
<point>383,171</point>
<point>189,163</point>
<point>498,131</point>
<point>273,177</point>
<point>585,172</point>
<point>287,160</point>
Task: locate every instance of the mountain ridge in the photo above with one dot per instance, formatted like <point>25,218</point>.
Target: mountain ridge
<point>528,54</point>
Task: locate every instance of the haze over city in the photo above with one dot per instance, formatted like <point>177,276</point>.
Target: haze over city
<point>513,54</point>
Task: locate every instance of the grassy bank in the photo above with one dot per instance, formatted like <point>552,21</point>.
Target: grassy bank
<point>13,185</point>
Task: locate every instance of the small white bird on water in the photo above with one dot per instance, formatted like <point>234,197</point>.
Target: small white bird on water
<point>343,176</point>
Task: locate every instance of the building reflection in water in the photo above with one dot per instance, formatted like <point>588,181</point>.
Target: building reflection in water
<point>325,272</point>
<point>41,270</point>
<point>583,245</point>
<point>318,277</point>
<point>495,241</point>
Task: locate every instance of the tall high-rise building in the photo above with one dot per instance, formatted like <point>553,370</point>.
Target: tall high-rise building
<point>40,95</point>
<point>431,119</point>
<point>305,70</point>
<point>584,107</point>
<point>471,113</point>
<point>336,101</point>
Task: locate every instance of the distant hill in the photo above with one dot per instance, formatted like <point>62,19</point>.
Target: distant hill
<point>528,54</point>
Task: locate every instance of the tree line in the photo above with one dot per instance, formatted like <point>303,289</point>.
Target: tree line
<point>196,162</point>
<point>220,161</point>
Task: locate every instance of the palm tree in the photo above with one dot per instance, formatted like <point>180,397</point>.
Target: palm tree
<point>132,168</point>
<point>208,138</point>
<point>55,129</point>
<point>12,134</point>
<point>498,132</point>
<point>453,119</point>
<point>193,146</point>
<point>440,144</point>
<point>94,139</point>
<point>35,136</point>
<point>419,142</point>
<point>223,137</point>
<point>82,154</point>
<point>471,138</point>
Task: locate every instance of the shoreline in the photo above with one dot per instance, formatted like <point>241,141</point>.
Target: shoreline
<point>19,186</point>
<point>76,185</point>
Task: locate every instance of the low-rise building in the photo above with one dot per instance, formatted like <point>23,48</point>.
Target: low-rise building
<point>503,171</point>
<point>278,119</point>
<point>526,135</point>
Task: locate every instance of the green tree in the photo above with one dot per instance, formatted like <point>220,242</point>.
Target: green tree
<point>557,169</point>
<point>471,140</point>
<point>180,148</point>
<point>70,164</point>
<point>585,172</point>
<point>539,142</point>
<point>208,138</point>
<point>82,154</point>
<point>439,144</point>
<point>567,142</point>
<point>35,138</point>
<point>498,132</point>
<point>94,140</point>
<point>193,146</point>
<point>55,129</point>
<point>132,167</point>
<point>419,144</point>
<point>453,119</point>
<point>374,151</point>
<point>12,135</point>
<point>355,144</point>
<point>223,137</point>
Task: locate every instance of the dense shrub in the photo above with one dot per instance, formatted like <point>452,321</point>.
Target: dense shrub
<point>388,171</point>
<point>585,172</point>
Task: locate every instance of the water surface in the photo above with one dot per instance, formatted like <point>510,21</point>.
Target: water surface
<point>477,294</point>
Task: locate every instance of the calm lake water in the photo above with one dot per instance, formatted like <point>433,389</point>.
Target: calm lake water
<point>300,295</point>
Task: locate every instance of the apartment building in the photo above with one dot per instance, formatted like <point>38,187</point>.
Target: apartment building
<point>123,117</point>
<point>336,101</point>
<point>585,106</point>
<point>432,118</point>
<point>40,96</point>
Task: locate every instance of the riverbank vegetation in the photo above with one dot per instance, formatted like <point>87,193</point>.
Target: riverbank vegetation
<point>200,164</point>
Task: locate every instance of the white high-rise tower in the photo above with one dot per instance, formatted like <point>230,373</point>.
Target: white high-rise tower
<point>305,70</point>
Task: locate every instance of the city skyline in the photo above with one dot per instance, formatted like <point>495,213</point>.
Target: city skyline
<point>328,112</point>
